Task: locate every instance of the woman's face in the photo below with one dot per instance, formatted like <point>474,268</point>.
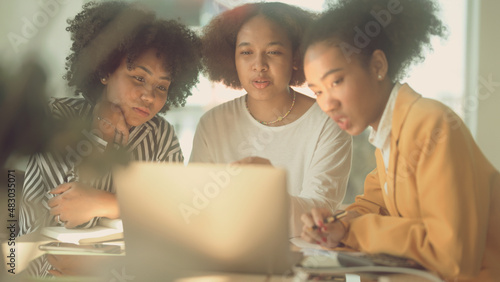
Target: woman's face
<point>263,58</point>
<point>141,91</point>
<point>345,89</point>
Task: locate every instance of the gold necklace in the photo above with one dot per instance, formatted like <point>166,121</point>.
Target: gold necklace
<point>280,118</point>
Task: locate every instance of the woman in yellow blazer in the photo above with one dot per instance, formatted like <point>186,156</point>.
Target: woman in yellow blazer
<point>432,196</point>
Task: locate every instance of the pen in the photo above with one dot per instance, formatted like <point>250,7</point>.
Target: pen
<point>332,218</point>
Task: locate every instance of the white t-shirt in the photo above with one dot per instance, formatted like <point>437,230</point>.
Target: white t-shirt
<point>315,152</point>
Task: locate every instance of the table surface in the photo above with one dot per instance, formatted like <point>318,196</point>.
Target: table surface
<point>27,250</point>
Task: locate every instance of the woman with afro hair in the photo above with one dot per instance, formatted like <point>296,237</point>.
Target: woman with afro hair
<point>256,47</point>
<point>433,195</point>
<point>129,66</point>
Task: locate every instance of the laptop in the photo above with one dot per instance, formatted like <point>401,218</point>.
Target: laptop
<point>180,220</point>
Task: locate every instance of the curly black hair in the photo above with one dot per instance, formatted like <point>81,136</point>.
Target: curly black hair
<point>401,29</point>
<point>219,38</point>
<point>105,33</point>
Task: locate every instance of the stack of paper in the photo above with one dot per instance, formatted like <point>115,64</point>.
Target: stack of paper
<point>106,230</point>
<point>321,261</point>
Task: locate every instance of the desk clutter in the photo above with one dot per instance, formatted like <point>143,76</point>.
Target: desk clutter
<point>321,264</point>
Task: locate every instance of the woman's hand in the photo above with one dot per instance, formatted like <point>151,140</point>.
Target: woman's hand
<point>77,203</point>
<point>109,120</point>
<point>327,235</point>
<point>253,160</point>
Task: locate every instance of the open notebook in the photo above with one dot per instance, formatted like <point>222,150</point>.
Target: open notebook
<point>178,220</point>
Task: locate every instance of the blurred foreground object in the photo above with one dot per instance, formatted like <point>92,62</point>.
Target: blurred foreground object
<point>25,128</point>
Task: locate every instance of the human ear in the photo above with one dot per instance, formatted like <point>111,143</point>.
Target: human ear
<point>378,64</point>
<point>296,60</point>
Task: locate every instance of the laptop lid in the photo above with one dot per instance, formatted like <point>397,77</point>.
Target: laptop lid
<point>203,217</point>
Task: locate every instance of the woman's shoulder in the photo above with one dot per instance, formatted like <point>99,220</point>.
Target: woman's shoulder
<point>413,109</point>
<point>159,123</point>
<point>69,106</point>
<point>428,119</point>
<point>225,110</point>
<point>426,111</point>
<point>311,111</point>
<point>315,120</point>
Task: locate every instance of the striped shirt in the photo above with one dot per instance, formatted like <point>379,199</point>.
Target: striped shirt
<point>154,141</point>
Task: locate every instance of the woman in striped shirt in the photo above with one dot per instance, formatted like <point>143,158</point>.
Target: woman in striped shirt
<point>125,63</point>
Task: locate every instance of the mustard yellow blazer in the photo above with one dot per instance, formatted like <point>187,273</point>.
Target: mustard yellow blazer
<point>442,206</point>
